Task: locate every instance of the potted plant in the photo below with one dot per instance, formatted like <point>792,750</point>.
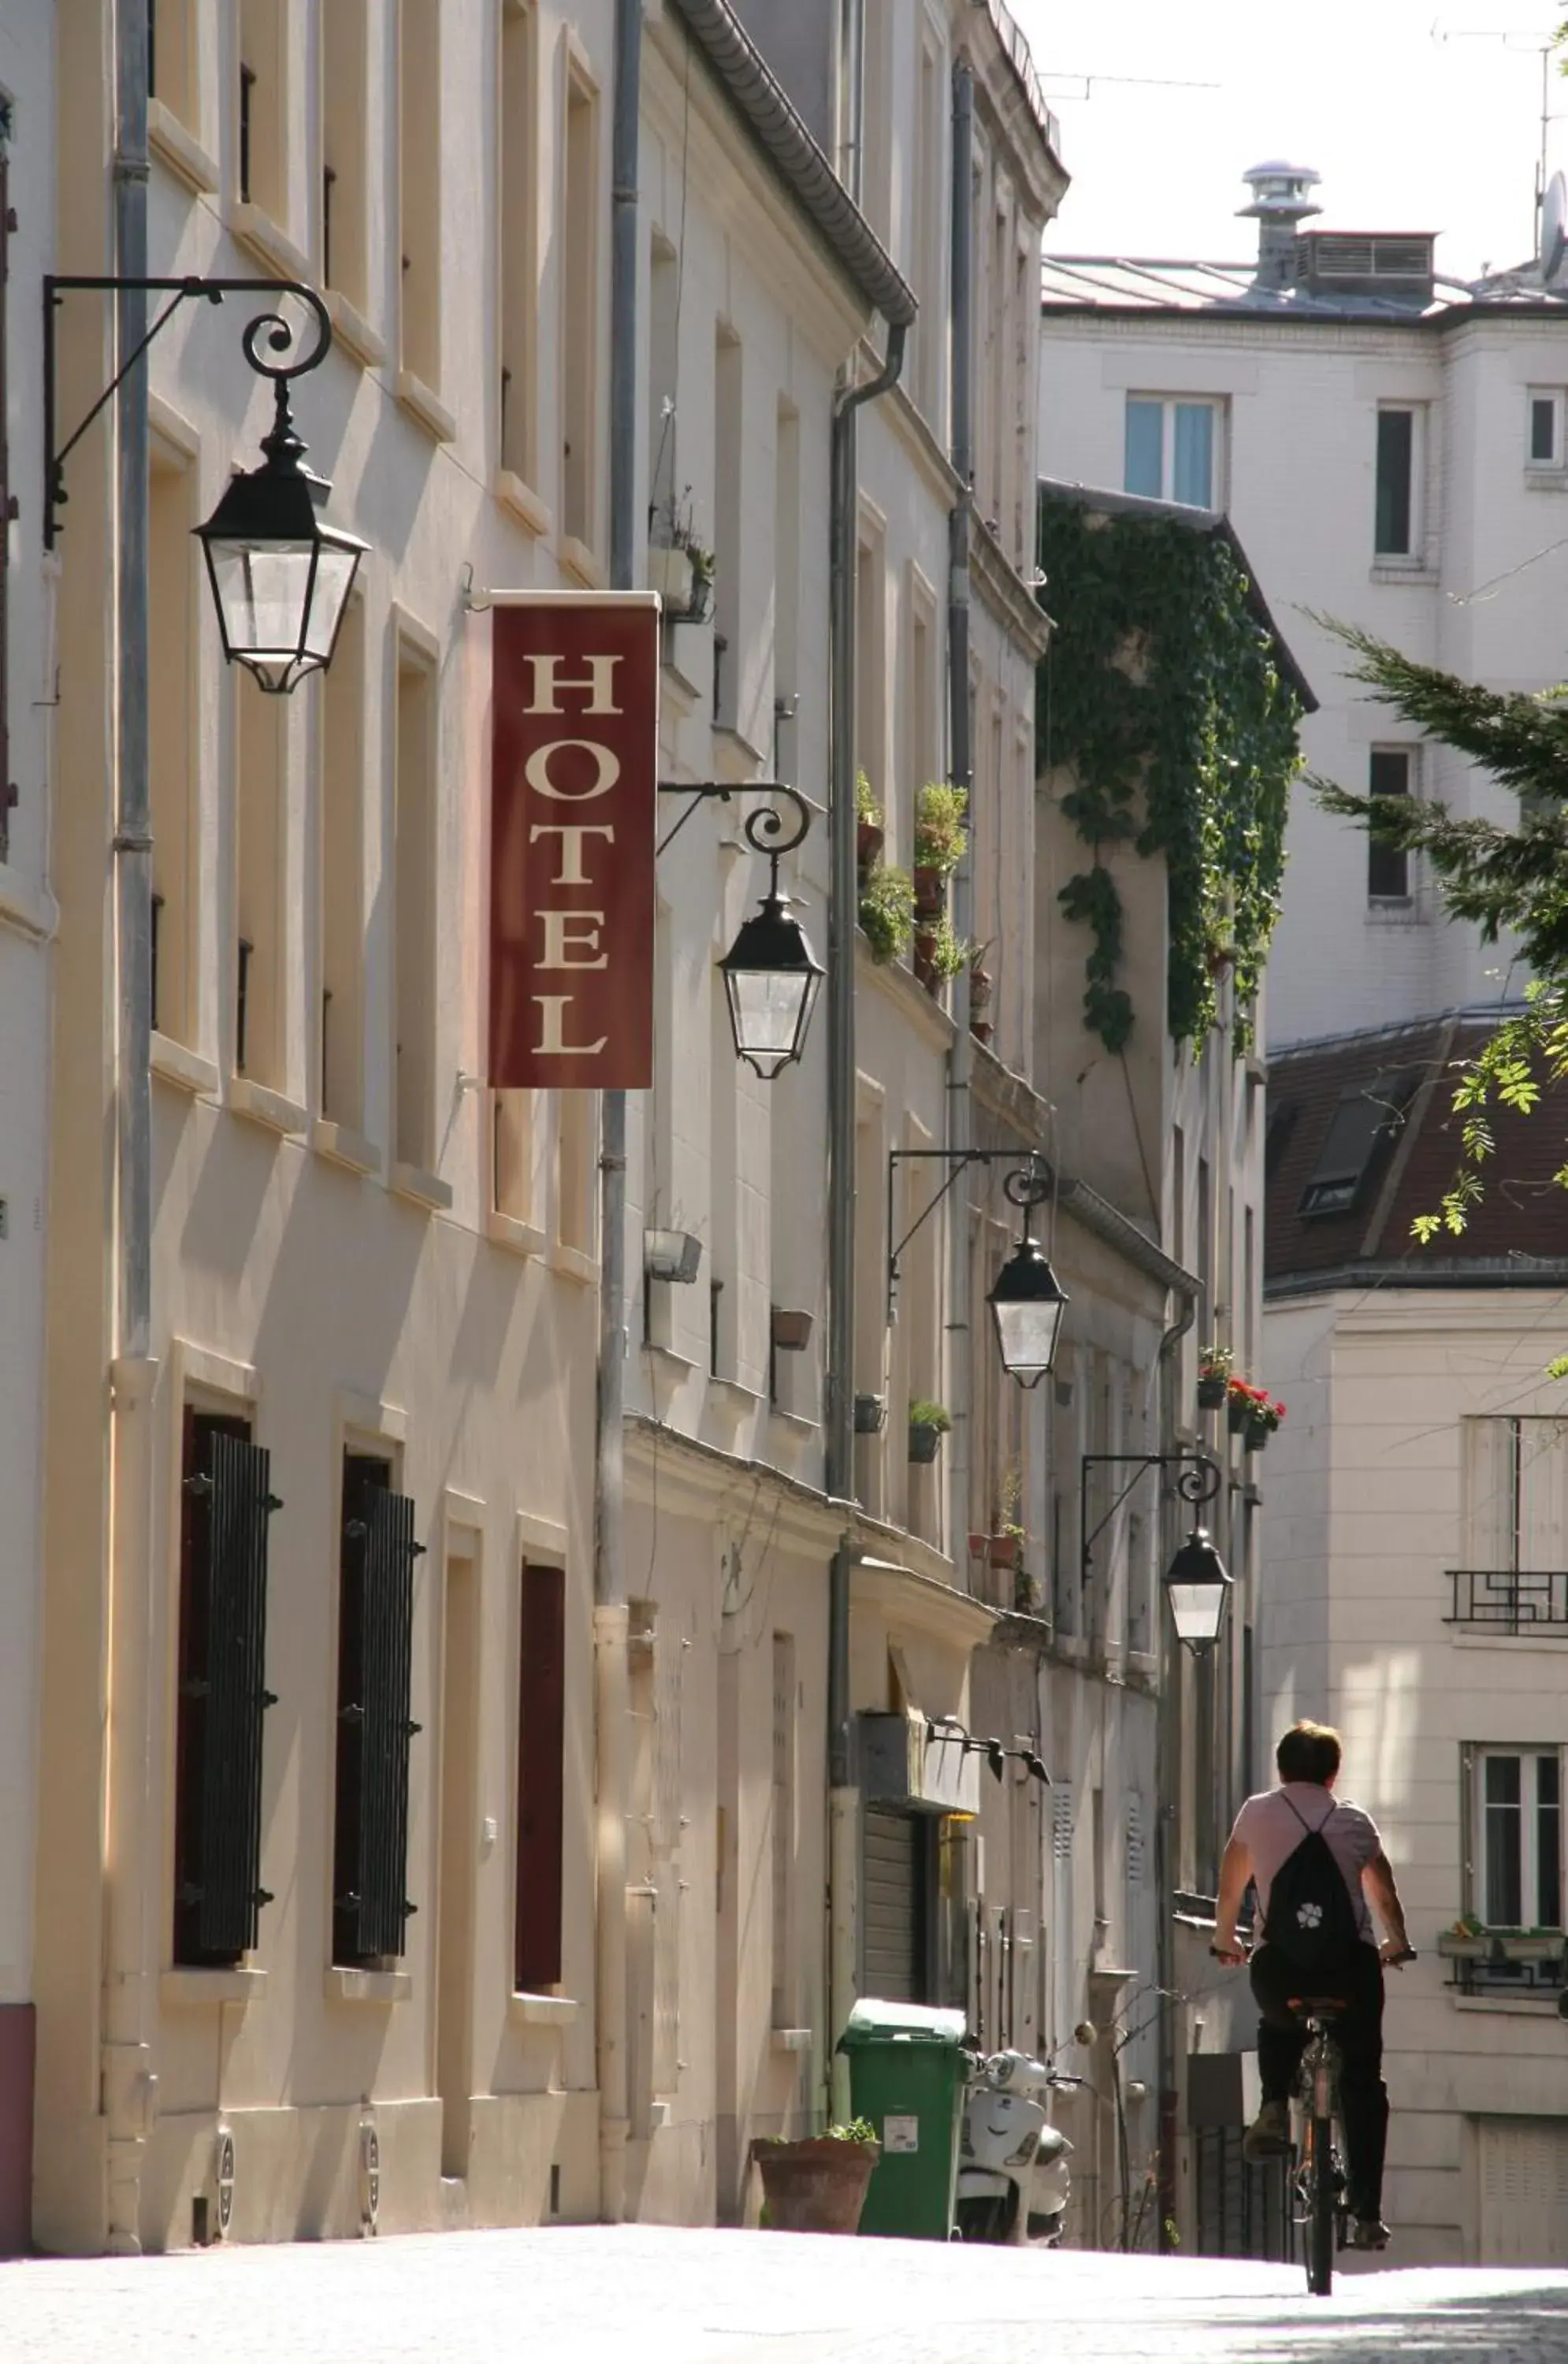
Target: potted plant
<point>1239,1398</point>
<point>938,953</point>
<point>1467,1941</point>
<point>1528,1945</point>
<point>1028,1596</point>
<point>1214,1377</point>
<point>928,1423</point>
<point>941,811</point>
<point>1002,1547</point>
<point>818,2185</point>
<point>871,1414</point>
<point>870,830</point>
<point>680,567</point>
<point>982,985</point>
<point>887,910</point>
<point>1262,1418</point>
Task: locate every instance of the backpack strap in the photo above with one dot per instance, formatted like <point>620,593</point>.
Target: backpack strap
<point>1316,1828</point>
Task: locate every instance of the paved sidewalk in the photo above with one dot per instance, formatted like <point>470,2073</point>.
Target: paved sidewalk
<point>643,2295</point>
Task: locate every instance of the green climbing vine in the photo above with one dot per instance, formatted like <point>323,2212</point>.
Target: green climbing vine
<point>1163,693</point>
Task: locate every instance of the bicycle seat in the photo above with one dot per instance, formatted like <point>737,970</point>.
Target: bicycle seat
<point>1318,2006</point>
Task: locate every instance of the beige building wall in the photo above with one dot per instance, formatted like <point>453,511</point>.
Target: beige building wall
<point>329,1258</point>
<point>1382,1488</point>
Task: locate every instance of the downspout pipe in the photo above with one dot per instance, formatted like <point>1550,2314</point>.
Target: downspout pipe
<point>961,1058</point>
<point>1167,1779</point>
<point>612,1700</point>
<point>843,1796</point>
<point>129,2084</point>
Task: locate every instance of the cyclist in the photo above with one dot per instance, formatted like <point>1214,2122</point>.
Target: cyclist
<point>1268,1831</point>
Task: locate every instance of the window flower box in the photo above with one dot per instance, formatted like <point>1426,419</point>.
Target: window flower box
<point>1465,1945</point>
<point>1528,1945</point>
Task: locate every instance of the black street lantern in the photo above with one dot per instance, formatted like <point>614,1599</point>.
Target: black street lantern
<point>1026,1301</point>
<point>281,578</point>
<point>1197,1586</point>
<point>772,976</point>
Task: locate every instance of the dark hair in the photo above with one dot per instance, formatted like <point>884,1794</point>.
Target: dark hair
<point>1310,1752</point>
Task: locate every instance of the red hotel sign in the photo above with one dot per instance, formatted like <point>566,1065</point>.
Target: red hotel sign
<point>574,760</point>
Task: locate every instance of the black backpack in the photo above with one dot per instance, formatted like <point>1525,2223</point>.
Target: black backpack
<point>1311,1919</point>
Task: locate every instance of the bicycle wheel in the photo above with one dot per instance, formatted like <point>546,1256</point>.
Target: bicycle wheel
<point>1324,2207</point>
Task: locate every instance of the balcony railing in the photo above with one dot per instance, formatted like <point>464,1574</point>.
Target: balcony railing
<point>1509,1599</point>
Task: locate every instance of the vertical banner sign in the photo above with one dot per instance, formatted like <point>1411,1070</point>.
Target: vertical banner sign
<point>574,788</point>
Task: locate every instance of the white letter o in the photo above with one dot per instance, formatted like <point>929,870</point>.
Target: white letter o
<point>536,771</point>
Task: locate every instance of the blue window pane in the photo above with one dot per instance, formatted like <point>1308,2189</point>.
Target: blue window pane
<point>1145,427</point>
<point>1194,454</point>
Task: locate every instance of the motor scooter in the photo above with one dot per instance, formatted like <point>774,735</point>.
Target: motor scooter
<point>1013,2179</point>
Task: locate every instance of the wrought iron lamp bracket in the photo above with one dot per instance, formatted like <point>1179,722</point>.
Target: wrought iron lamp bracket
<point>1198,1480</point>
<point>770,830</point>
<point>278,336</point>
<point>1030,1184</point>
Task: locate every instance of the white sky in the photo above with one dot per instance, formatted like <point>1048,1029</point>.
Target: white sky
<point>1413,126</point>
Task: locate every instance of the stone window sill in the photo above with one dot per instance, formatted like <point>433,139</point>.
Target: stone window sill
<point>511,1232</point>
<point>572,1264</point>
<point>523,502</point>
<point>179,1987</point>
<point>425,405</point>
<point>179,149</point>
<point>1394,570</point>
<point>184,1068</point>
<point>273,1110</point>
<point>1520,2006</point>
<point>353,331</point>
<point>580,561</point>
<point>797,1425</point>
<point>368,1986</point>
<point>543,2010</point>
<point>266,240</point>
<point>1546,479</point>
<point>342,1146</point>
<point>791,2039</point>
<point>420,1188</point>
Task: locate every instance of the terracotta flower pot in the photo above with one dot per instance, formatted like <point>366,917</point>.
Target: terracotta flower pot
<point>1211,1394</point>
<point>982,1028</point>
<point>816,2186</point>
<point>869,841</point>
<point>926,959</point>
<point>982,985</point>
<point>930,892</point>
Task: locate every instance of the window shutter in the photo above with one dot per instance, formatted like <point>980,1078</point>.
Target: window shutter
<point>1470,1887</point>
<point>7,506</point>
<point>379,1552</point>
<point>542,1703</point>
<point>240,1507</point>
<point>223,1693</point>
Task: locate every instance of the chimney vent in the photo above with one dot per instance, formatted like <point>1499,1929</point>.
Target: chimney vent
<point>1282,196</point>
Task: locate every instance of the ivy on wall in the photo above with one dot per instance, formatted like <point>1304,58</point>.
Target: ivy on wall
<point>1162,692</point>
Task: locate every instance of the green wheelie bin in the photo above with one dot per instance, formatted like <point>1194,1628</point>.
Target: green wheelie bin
<point>907,2072</point>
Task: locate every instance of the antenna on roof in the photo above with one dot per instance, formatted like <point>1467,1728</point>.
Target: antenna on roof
<point>1521,37</point>
<point>1131,81</point>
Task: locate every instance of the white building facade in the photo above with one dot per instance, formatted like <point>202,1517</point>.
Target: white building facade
<point>28,916</point>
<point>1388,444</point>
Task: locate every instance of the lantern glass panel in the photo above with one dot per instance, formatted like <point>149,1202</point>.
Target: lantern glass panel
<point>1027,1333</point>
<point>770,1011</point>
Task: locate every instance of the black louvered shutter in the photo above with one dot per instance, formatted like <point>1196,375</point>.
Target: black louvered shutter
<point>223,1694</point>
<point>7,504</point>
<point>374,1727</point>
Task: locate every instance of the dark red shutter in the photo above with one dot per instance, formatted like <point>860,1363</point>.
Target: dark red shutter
<point>541,1711</point>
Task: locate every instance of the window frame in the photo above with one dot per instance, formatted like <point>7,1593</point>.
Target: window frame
<point>1530,1807</point>
<point>1556,463</point>
<point>1404,898</point>
<point>1412,554</point>
<point>539,1841</point>
<point>1218,405</point>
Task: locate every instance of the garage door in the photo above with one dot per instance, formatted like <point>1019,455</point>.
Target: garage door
<point>1524,2192</point>
<point>894,1905</point>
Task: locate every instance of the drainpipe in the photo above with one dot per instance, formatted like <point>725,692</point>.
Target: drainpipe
<point>130,1880</point>
<point>612,1697</point>
<point>961,1058</point>
<point>843,1795</point>
<point>1167,1790</point>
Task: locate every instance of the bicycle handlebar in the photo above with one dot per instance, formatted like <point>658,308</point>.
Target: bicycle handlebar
<point>1389,1961</point>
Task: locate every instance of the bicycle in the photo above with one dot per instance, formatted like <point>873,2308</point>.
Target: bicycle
<point>1319,2179</point>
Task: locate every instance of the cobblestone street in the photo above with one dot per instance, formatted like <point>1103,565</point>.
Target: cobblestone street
<point>663,2297</point>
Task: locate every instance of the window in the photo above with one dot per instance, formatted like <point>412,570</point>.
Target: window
<point>1389,865</point>
<point>1363,1120</point>
<point>519,262</point>
<point>259,909</point>
<point>170,76</point>
<point>1395,535</point>
<point>871,662</point>
<point>413,857</point>
<point>663,372</point>
<point>541,1713</point>
<point>787,577</point>
<point>342,777</point>
<point>930,359</point>
<point>1173,450</point>
<point>225,1512</point>
<point>728,507</point>
<point>1519,1831</point>
<point>1545,445</point>
<point>579,300</point>
<point>8,793</point>
<point>783,1805</point>
<point>344,208</point>
<point>172,638</point>
<point>375,1622</point>
<point>263,108</point>
<point>419,188</point>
